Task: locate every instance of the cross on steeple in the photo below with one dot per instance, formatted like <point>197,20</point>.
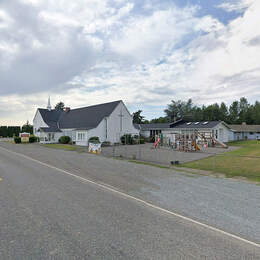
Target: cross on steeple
<point>121,120</point>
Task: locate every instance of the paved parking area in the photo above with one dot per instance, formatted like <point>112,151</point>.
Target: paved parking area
<point>163,155</point>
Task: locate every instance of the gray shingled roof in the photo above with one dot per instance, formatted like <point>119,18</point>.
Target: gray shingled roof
<point>180,124</point>
<point>245,128</point>
<point>196,125</point>
<point>50,118</point>
<point>81,118</point>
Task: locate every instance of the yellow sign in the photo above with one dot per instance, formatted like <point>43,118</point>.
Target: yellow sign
<point>94,148</point>
<point>25,138</point>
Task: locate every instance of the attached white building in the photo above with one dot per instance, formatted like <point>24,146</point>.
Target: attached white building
<point>108,121</point>
<point>218,129</point>
<point>244,132</point>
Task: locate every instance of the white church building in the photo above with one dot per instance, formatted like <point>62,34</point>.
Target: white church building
<point>108,121</point>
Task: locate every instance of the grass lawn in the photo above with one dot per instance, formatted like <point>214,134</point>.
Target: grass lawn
<point>67,147</point>
<point>243,162</point>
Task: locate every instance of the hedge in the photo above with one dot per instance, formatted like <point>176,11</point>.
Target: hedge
<point>9,131</point>
<point>64,139</point>
<point>94,140</point>
<point>17,140</point>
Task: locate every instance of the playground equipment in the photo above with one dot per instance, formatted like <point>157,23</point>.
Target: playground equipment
<point>157,142</point>
<point>187,141</point>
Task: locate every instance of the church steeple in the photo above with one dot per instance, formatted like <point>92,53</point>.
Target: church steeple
<point>49,104</point>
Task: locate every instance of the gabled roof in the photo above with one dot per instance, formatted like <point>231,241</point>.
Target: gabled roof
<point>80,118</point>
<point>51,118</point>
<point>181,124</point>
<point>245,128</point>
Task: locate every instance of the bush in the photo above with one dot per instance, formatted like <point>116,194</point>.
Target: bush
<point>127,139</point>
<point>94,140</point>
<point>32,139</point>
<point>142,141</point>
<point>105,144</point>
<point>64,140</point>
<point>17,140</point>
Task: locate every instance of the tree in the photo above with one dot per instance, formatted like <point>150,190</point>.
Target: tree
<point>178,109</point>
<point>244,116</point>
<point>255,111</point>
<point>160,120</point>
<point>137,118</point>
<point>27,128</point>
<point>223,110</point>
<point>60,106</point>
<point>234,112</point>
<point>211,112</point>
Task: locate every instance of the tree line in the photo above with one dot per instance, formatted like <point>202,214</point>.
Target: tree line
<point>238,112</point>
<point>10,131</point>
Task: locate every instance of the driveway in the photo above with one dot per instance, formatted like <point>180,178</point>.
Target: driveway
<point>48,213</point>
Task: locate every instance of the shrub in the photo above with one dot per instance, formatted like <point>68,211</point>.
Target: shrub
<point>127,139</point>
<point>17,140</point>
<point>142,141</point>
<point>32,139</point>
<point>64,140</point>
<point>105,144</point>
<point>94,140</point>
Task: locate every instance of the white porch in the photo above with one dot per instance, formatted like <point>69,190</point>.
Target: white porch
<point>49,138</point>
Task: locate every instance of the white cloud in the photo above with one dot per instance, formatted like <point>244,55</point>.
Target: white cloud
<point>149,37</point>
<point>91,51</point>
<point>236,6</point>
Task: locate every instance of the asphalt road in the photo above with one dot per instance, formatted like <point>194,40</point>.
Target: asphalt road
<point>47,214</point>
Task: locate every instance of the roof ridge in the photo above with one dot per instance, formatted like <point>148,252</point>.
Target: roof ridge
<point>117,101</point>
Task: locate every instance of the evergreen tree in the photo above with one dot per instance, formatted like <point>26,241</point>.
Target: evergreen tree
<point>60,106</point>
<point>137,118</point>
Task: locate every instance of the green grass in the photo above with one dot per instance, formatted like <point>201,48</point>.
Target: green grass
<point>67,147</point>
<point>243,162</point>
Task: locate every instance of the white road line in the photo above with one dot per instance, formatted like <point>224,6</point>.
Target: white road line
<point>103,186</point>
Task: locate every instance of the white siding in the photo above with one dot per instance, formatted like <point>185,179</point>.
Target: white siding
<point>114,129</point>
<point>224,137</point>
<point>80,141</point>
<point>99,131</point>
<point>109,128</point>
<point>145,133</point>
<point>37,123</point>
<point>52,138</point>
<point>69,132</point>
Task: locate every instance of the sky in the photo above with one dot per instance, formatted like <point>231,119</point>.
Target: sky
<point>146,53</point>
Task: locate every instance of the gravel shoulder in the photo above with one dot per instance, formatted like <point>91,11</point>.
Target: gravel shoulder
<point>231,205</point>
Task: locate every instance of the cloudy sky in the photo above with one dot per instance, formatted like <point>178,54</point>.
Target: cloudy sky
<point>84,52</point>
